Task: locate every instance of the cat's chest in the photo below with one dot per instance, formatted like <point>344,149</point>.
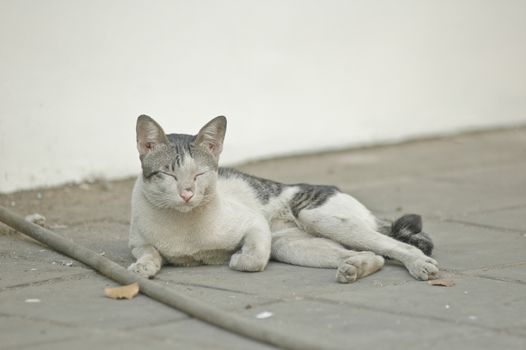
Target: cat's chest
<point>186,236</point>
<point>190,236</point>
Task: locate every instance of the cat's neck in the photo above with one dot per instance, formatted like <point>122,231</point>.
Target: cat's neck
<point>211,204</point>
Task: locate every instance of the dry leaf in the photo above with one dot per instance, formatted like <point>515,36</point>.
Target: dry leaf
<point>441,283</point>
<point>124,292</point>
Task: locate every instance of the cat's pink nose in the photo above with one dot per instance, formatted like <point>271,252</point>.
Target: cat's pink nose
<point>186,195</point>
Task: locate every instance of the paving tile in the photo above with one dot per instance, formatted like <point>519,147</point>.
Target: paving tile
<point>82,303</point>
<point>472,302</point>
<point>24,262</point>
<point>90,339</point>
<point>346,326</point>
<point>194,334</point>
<point>478,340</point>
<point>463,247</point>
<point>513,273</point>
<point>507,219</point>
<point>17,332</point>
<point>450,194</point>
<point>227,299</point>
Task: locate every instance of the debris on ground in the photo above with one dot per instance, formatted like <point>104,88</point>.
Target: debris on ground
<point>36,219</point>
<point>441,283</point>
<point>34,300</point>
<point>63,263</point>
<point>264,314</point>
<point>124,292</point>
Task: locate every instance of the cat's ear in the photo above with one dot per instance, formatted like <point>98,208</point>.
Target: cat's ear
<point>211,136</point>
<point>149,135</point>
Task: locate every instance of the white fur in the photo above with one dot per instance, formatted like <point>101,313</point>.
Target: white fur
<point>208,234</point>
<point>225,220</point>
<point>235,222</point>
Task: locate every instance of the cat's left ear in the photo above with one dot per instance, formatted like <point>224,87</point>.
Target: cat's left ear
<point>149,135</point>
<point>212,135</point>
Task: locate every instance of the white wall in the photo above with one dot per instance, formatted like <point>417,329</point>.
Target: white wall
<point>290,75</point>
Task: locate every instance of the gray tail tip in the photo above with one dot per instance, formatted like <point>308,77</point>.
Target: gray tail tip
<point>408,229</point>
<point>411,222</point>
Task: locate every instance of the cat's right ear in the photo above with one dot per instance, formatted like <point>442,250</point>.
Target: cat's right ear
<point>149,135</point>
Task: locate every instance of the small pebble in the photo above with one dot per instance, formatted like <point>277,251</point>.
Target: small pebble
<point>447,306</point>
<point>472,318</point>
<point>32,300</point>
<point>264,314</point>
<point>36,219</point>
<point>377,283</point>
<point>39,195</point>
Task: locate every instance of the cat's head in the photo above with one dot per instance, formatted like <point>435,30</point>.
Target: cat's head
<point>179,171</point>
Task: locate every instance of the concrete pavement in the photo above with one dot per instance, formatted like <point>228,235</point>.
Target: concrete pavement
<point>470,189</point>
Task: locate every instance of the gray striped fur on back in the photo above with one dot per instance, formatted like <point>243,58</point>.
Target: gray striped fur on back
<point>307,197</point>
<point>310,197</point>
<point>265,189</point>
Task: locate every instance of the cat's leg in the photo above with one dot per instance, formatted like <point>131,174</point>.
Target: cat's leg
<point>148,263</point>
<point>255,250</point>
<point>343,219</point>
<point>294,246</point>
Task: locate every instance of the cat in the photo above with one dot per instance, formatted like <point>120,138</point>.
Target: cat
<point>186,210</point>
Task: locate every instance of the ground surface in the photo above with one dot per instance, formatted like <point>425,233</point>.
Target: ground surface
<point>471,190</point>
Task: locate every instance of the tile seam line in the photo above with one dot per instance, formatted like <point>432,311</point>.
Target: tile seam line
<point>498,228</point>
<point>407,314</point>
<point>199,285</point>
<point>93,330</point>
<point>53,280</point>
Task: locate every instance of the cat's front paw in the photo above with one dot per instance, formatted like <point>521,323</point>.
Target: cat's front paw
<point>423,268</point>
<point>248,263</point>
<point>146,269</point>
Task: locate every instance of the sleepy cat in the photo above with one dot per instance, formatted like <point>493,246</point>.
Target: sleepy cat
<point>188,211</point>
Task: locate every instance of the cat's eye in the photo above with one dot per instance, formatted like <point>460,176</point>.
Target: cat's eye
<point>150,175</point>
<point>197,175</point>
<point>156,173</point>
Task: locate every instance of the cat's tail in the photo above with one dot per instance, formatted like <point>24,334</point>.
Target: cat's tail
<point>408,229</point>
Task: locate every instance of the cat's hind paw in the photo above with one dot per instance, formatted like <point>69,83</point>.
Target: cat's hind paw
<point>359,265</point>
<point>423,268</point>
<point>346,273</point>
